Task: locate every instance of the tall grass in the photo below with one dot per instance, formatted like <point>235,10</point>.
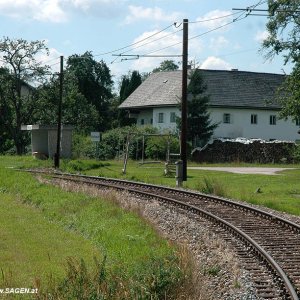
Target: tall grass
<point>133,262</point>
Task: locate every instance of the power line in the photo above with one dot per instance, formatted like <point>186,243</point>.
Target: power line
<point>213,19</point>
<point>152,41</point>
<point>204,33</point>
<point>113,51</point>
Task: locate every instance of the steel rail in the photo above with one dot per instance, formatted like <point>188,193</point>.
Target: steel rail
<point>246,239</point>
<point>281,277</point>
<point>289,224</point>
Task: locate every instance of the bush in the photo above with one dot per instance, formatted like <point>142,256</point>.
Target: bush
<point>114,141</point>
<point>296,154</point>
<point>157,146</point>
<point>79,165</point>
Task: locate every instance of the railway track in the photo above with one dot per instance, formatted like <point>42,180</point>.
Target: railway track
<point>268,246</point>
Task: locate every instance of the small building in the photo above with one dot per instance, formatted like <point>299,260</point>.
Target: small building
<point>243,104</point>
<point>44,140</point>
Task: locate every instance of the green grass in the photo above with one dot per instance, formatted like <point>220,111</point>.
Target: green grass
<point>280,192</point>
<point>42,225</point>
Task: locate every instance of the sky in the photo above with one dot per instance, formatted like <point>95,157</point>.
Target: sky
<point>219,37</point>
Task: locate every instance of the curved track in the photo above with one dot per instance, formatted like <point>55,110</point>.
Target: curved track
<point>269,246</point>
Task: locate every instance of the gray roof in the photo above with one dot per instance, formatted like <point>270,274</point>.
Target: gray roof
<point>226,89</point>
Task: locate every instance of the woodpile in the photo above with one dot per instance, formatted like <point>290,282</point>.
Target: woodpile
<point>242,150</point>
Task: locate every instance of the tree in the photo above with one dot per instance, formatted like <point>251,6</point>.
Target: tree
<point>75,108</point>
<point>129,83</point>
<point>284,29</point>
<point>289,95</point>
<point>284,37</point>
<point>17,97</point>
<point>94,83</point>
<point>200,128</point>
<point>166,65</point>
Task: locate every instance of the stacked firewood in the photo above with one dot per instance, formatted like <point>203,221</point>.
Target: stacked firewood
<point>252,151</point>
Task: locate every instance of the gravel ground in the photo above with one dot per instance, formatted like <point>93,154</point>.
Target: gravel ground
<point>217,273</point>
<point>244,170</point>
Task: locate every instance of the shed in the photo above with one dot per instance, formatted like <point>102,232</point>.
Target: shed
<point>44,139</point>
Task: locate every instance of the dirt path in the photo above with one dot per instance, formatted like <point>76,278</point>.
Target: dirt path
<point>244,170</point>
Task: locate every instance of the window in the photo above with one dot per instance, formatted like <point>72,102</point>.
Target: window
<point>226,118</point>
<point>272,120</point>
<point>297,121</point>
<point>172,117</point>
<point>142,121</point>
<point>160,117</point>
<point>253,119</point>
<point>151,121</point>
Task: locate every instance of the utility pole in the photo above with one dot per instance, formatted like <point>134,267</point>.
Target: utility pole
<point>183,153</point>
<point>57,154</point>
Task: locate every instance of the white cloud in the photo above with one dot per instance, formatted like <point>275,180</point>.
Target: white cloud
<point>215,63</point>
<point>58,11</point>
<point>214,19</point>
<point>137,13</point>
<point>218,43</point>
<point>261,36</point>
<point>41,10</point>
<point>150,46</point>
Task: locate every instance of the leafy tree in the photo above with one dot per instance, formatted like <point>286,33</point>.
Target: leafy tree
<point>200,128</point>
<point>17,97</point>
<point>128,84</point>
<point>94,83</point>
<point>289,95</point>
<point>166,65</point>
<point>284,29</point>
<point>75,108</point>
<point>284,38</point>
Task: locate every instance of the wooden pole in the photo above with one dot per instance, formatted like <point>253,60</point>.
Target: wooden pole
<point>183,153</point>
<point>57,154</point>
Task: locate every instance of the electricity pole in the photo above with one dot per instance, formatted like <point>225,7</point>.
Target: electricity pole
<point>57,154</point>
<point>183,153</point>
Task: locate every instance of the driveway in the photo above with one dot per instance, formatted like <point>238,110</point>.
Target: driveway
<point>244,170</point>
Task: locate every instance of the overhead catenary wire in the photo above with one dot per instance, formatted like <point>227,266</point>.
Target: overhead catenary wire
<point>204,33</point>
<point>135,43</point>
<point>150,42</point>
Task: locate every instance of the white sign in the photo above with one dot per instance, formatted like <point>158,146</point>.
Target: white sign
<point>95,136</point>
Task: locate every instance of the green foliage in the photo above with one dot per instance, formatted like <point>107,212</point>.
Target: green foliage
<point>157,146</point>
<point>200,128</point>
<point>114,141</point>
<point>82,146</point>
<point>94,82</point>
<point>289,95</point>
<point>296,154</point>
<point>100,283</point>
<point>283,27</point>
<point>283,38</point>
<point>17,97</point>
<point>166,65</point>
<point>136,263</point>
<point>212,186</point>
<point>213,271</point>
<point>76,109</point>
<point>128,85</point>
<point>80,165</point>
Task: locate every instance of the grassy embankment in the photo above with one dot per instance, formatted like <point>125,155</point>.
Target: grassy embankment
<point>280,192</point>
<point>45,231</point>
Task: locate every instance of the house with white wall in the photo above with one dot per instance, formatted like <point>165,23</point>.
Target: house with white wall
<point>242,103</point>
